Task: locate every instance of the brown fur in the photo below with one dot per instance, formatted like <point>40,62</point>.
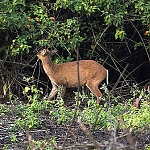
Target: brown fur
<point>91,74</point>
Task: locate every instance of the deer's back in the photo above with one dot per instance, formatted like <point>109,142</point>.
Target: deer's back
<point>66,73</point>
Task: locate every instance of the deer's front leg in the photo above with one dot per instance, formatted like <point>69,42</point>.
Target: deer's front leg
<point>63,91</point>
<point>53,91</point>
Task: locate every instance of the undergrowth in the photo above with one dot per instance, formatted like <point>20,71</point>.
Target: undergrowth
<point>108,117</point>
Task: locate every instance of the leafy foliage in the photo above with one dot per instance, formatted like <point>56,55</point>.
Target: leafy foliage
<point>35,24</point>
<point>108,117</point>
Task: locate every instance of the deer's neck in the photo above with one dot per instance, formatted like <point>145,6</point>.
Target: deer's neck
<point>48,66</point>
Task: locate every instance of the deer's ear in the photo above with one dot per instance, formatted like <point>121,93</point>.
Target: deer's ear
<point>52,52</point>
<point>44,52</point>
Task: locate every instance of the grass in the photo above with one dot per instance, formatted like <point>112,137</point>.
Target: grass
<point>109,117</point>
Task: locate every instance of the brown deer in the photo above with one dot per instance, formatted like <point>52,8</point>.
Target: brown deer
<point>91,74</point>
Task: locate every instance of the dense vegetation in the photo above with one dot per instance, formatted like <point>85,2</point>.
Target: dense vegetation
<point>115,33</point>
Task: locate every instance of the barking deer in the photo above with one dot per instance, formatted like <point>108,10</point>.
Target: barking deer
<point>91,74</point>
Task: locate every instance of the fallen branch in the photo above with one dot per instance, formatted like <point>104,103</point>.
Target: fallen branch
<point>30,140</point>
<point>83,127</point>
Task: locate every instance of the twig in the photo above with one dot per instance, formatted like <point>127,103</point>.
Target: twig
<point>83,127</point>
<point>18,63</point>
<point>121,75</point>
<point>140,38</point>
<point>75,112</point>
<point>30,140</point>
<point>128,135</point>
<point>97,41</point>
<point>73,119</point>
<point>78,146</point>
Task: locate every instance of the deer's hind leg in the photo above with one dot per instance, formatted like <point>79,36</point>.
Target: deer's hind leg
<point>93,86</point>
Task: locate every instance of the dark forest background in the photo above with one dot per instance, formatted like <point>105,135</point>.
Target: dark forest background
<point>113,32</point>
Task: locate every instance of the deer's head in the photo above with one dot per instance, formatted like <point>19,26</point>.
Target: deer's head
<point>45,53</point>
